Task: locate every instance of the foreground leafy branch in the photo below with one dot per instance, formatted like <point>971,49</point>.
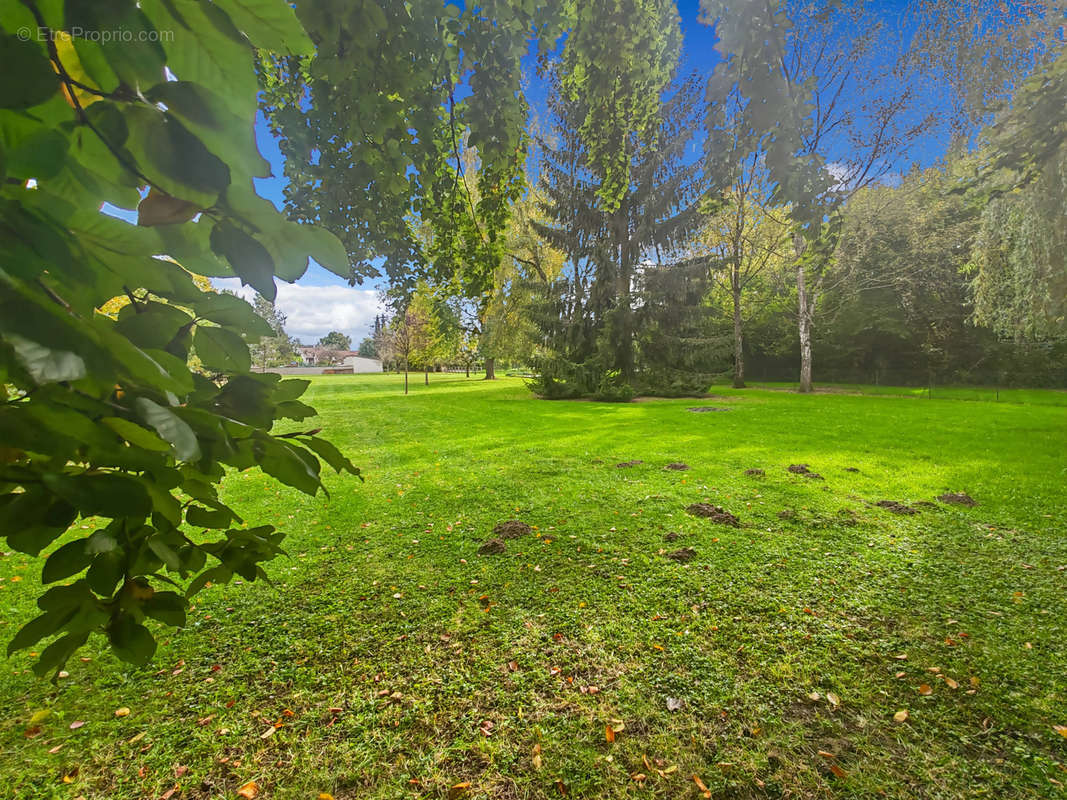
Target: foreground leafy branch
<point>128,419</point>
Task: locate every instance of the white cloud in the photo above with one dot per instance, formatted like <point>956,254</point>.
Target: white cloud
<point>313,311</point>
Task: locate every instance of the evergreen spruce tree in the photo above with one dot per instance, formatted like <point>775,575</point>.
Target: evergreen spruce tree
<point>618,257</point>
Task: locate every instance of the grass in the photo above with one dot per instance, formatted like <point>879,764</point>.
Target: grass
<point>389,645</point>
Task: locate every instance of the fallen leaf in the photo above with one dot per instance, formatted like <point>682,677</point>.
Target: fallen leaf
<point>835,701</point>
<point>325,796</point>
<point>249,790</point>
<point>56,749</point>
<point>814,697</point>
<point>513,666</point>
<point>76,724</point>
<point>459,790</point>
<point>901,716</point>
<point>640,777</point>
<point>609,733</point>
<point>826,754</point>
<point>925,689</point>
<point>122,712</point>
<point>673,703</point>
<point>838,772</point>
<point>169,793</point>
<point>951,683</point>
<point>268,732</point>
<point>1061,730</point>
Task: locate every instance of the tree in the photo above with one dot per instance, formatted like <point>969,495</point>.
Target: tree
<point>368,348</point>
<point>104,417</point>
<point>404,335</point>
<point>277,349</point>
<point>745,236</point>
<point>588,319</point>
<point>825,105</point>
<point>335,340</point>
<point>428,80</point>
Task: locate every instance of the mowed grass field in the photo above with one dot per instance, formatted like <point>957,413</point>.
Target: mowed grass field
<point>391,660</point>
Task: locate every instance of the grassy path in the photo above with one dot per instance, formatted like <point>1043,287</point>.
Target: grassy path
<point>400,663</point>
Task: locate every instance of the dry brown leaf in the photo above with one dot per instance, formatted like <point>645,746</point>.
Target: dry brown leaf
<point>1061,730</point>
<point>459,790</point>
<point>639,777</point>
<point>901,716</point>
<point>76,724</point>
<point>159,208</point>
<point>826,754</point>
<point>167,795</point>
<point>814,697</point>
<point>951,683</point>
<point>835,701</point>
<point>925,689</point>
<point>609,733</point>
<point>268,732</point>
<point>838,772</point>
<point>513,666</point>
<point>974,682</point>
<point>249,790</point>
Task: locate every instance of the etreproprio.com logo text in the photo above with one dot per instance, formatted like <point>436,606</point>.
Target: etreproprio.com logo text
<point>102,36</point>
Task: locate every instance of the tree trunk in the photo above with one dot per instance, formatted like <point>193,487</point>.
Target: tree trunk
<point>739,352</point>
<point>405,376</point>
<point>490,369</point>
<point>804,329</point>
<point>468,366</point>
<point>624,341</point>
<point>426,376</point>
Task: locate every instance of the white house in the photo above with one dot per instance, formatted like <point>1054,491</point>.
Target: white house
<point>361,364</point>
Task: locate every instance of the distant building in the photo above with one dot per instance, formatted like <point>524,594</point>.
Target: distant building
<point>350,360</point>
<point>361,364</point>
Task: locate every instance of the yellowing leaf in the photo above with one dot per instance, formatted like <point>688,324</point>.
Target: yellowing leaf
<point>901,716</point>
<point>122,712</point>
<point>951,683</point>
<point>459,790</point>
<point>609,733</point>
<point>325,796</point>
<point>925,690</point>
<point>249,790</point>
<point>1061,730</point>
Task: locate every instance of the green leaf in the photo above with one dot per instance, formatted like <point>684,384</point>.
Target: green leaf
<point>171,428</point>
<point>57,653</point>
<point>249,259</point>
<point>152,325</point>
<point>218,574</point>
<point>132,641</point>
<point>44,364</point>
<point>105,572</point>
<point>30,77</point>
<point>203,518</point>
<point>167,607</point>
<point>172,158</point>
<point>38,628</point>
<point>330,454</point>
<point>232,311</point>
<point>135,434</point>
<point>70,559</point>
<point>269,24</point>
<point>221,349</point>
<point>136,57</point>
<point>208,116</point>
<point>109,494</point>
<point>294,409</point>
<point>291,465</point>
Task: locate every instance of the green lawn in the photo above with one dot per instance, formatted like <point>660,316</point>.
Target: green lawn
<point>401,663</point>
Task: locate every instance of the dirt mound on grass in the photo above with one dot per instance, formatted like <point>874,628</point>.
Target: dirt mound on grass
<point>492,547</point>
<point>671,537</point>
<point>798,469</point>
<point>787,514</point>
<point>755,472</point>
<point>851,469</point>
<point>677,465</point>
<point>896,508</point>
<point>633,463</point>
<point>957,499</point>
<point>512,529</point>
<point>815,476</point>
<point>706,409</point>
<point>714,513</point>
<point>926,504</point>
<point>683,555</point>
